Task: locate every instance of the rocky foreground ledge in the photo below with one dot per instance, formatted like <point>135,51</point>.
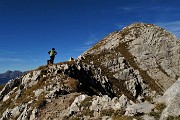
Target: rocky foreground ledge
<point>55,88</point>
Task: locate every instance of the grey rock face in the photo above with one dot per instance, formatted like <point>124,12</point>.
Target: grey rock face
<point>75,106</point>
<point>172,100</point>
<point>146,117</point>
<point>141,54</point>
<point>10,85</point>
<point>38,92</point>
<point>141,108</point>
<point>31,78</point>
<point>156,49</point>
<point>105,102</point>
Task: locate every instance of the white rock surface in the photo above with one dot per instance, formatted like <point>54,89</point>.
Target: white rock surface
<point>147,117</point>
<point>38,92</point>
<point>144,107</point>
<point>75,106</point>
<point>172,100</point>
<point>105,102</point>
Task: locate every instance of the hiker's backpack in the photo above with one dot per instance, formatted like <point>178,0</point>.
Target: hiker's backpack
<point>52,53</point>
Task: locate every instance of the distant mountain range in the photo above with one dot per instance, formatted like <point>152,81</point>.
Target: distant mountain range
<point>5,77</point>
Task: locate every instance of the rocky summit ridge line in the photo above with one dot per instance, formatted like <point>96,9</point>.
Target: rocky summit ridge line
<point>130,74</point>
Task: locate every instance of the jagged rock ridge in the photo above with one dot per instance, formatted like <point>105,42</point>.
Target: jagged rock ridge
<point>117,78</point>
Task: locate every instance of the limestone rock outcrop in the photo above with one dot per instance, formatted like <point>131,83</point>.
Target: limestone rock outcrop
<point>123,76</point>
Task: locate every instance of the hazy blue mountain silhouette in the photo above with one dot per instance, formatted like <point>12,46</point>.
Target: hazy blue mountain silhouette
<point>5,77</point>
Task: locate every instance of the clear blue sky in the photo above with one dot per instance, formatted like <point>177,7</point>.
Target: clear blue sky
<point>30,28</point>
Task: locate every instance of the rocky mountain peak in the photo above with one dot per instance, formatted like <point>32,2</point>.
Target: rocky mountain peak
<point>123,76</point>
<point>135,32</point>
<point>8,75</point>
<point>146,47</point>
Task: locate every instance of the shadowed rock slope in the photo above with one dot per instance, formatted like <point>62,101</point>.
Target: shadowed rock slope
<point>120,77</point>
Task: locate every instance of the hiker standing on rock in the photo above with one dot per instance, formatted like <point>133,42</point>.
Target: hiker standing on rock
<point>52,54</point>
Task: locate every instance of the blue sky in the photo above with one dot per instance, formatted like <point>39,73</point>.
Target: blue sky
<point>30,28</point>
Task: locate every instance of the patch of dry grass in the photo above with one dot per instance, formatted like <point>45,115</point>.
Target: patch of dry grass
<point>118,115</point>
<point>72,83</point>
<point>2,86</point>
<point>42,67</point>
<point>40,102</point>
<point>173,118</point>
<point>86,103</point>
<point>9,103</point>
<point>28,94</point>
<point>158,110</point>
<point>121,117</point>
